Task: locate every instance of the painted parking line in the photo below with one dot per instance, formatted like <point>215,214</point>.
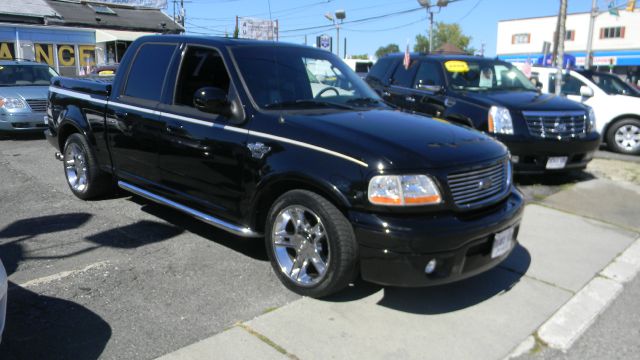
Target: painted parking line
<point>61,275</point>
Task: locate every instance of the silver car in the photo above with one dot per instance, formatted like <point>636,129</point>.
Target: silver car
<point>23,95</point>
<point>3,297</point>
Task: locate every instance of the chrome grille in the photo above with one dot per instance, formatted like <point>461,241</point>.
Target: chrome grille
<point>37,105</point>
<point>556,124</point>
<point>479,185</point>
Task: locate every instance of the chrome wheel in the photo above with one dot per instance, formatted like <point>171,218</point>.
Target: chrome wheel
<point>628,137</point>
<point>300,245</point>
<point>75,165</point>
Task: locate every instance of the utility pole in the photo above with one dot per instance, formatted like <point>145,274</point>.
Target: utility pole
<point>182,13</point>
<point>588,61</point>
<point>429,7</point>
<point>560,59</point>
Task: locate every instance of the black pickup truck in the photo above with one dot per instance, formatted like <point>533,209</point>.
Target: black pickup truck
<point>545,133</point>
<point>285,142</point>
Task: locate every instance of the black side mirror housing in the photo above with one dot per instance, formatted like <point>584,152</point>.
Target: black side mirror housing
<point>212,100</point>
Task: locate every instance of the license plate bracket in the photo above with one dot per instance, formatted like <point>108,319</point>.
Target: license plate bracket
<point>556,162</point>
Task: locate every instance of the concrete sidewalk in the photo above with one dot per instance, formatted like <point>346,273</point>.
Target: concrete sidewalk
<point>565,241</point>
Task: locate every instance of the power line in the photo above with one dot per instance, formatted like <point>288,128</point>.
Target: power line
<point>372,18</point>
<point>470,11</point>
<point>391,28</point>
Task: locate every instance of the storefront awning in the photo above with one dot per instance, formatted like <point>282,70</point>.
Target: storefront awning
<point>103,35</point>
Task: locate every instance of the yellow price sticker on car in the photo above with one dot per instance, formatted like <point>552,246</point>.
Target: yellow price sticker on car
<point>456,66</point>
<point>106,72</point>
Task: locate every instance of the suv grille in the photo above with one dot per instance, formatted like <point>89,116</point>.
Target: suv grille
<point>556,124</point>
<point>480,185</point>
<point>37,105</point>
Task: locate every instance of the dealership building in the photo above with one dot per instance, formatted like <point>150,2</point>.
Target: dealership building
<point>615,43</point>
<point>72,36</point>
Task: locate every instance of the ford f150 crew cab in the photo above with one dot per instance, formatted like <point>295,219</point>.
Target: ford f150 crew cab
<point>287,143</point>
<point>544,133</point>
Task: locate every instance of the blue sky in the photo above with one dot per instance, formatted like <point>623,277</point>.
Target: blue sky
<point>478,18</point>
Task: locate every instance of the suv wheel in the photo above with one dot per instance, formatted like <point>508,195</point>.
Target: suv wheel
<point>84,178</point>
<point>311,244</point>
<point>624,136</point>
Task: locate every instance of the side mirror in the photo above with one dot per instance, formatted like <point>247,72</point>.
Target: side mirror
<point>586,91</point>
<point>212,100</point>
<point>538,85</point>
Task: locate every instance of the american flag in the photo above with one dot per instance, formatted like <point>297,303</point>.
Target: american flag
<point>407,59</point>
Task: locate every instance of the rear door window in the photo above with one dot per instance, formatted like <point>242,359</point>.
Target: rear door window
<point>201,67</point>
<point>570,85</point>
<point>403,76</point>
<point>147,73</point>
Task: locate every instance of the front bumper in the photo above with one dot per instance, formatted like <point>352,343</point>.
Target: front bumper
<point>532,153</point>
<point>394,250</point>
<point>22,122</point>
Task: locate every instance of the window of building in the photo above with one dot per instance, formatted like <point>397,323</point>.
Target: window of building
<point>102,9</point>
<point>612,32</point>
<point>570,35</point>
<point>148,71</point>
<point>521,39</point>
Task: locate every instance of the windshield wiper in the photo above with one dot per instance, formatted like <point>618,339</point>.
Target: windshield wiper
<point>363,101</point>
<point>306,104</point>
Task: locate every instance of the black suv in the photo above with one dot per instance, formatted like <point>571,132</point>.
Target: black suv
<point>543,132</point>
<point>286,142</point>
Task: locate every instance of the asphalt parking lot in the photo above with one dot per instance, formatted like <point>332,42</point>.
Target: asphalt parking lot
<point>122,278</point>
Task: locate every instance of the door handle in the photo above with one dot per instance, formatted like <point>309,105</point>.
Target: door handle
<point>173,127</point>
<point>385,93</point>
<point>410,99</point>
<point>120,114</point>
<point>449,102</point>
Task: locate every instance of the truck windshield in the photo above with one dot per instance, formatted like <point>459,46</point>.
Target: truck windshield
<point>281,77</point>
<point>25,75</point>
<point>611,84</point>
<point>485,75</point>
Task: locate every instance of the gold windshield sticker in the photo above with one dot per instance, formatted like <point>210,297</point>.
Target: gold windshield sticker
<point>456,66</point>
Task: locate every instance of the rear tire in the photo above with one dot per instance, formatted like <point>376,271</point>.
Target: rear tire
<point>81,169</point>
<point>624,136</point>
<point>311,244</point>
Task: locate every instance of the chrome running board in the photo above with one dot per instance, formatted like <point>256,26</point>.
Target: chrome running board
<point>221,224</point>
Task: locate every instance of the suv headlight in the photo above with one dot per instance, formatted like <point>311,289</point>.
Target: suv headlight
<point>500,121</point>
<point>11,103</point>
<point>403,190</point>
<point>591,120</point>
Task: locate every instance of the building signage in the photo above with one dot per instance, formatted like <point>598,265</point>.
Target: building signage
<point>44,53</point>
<point>259,29</point>
<point>158,4</point>
<point>599,60</point>
<point>324,42</point>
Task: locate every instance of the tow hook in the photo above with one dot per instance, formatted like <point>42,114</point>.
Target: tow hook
<point>59,156</point>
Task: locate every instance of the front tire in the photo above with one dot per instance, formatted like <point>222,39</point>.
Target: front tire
<point>624,136</point>
<point>311,244</point>
<point>84,177</point>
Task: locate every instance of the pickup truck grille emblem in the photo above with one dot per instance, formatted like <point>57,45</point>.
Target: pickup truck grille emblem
<point>258,150</point>
<point>485,183</point>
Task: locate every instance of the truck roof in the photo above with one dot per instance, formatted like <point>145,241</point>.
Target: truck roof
<point>215,40</point>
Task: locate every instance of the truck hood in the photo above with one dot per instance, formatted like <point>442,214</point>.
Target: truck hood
<point>25,92</point>
<point>525,100</point>
<point>396,139</point>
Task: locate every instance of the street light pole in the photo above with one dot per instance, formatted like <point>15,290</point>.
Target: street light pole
<point>428,6</point>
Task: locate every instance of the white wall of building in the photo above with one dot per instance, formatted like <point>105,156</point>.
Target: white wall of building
<point>542,29</point>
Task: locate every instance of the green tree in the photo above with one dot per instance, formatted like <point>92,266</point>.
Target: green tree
<point>361,56</point>
<point>422,44</point>
<point>389,49</point>
<point>452,34</point>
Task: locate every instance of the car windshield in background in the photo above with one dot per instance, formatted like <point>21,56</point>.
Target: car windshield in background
<point>485,75</point>
<point>298,78</point>
<point>612,84</point>
<point>25,75</point>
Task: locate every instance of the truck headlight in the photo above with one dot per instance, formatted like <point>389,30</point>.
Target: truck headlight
<point>11,103</point>
<point>500,121</point>
<point>403,190</point>
<point>591,121</point>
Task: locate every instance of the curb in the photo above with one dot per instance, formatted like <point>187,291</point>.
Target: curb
<point>567,324</point>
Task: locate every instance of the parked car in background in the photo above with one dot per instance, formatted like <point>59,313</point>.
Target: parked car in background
<point>615,103</point>
<point>544,133</point>
<point>360,66</point>
<point>248,137</point>
<point>3,297</point>
<point>23,95</point>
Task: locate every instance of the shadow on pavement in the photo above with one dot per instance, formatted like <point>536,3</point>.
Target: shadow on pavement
<point>554,179</point>
<point>36,135</point>
<point>251,247</point>
<point>44,327</point>
<point>445,298</point>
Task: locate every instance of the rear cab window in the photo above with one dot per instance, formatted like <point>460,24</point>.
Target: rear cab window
<point>147,73</point>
